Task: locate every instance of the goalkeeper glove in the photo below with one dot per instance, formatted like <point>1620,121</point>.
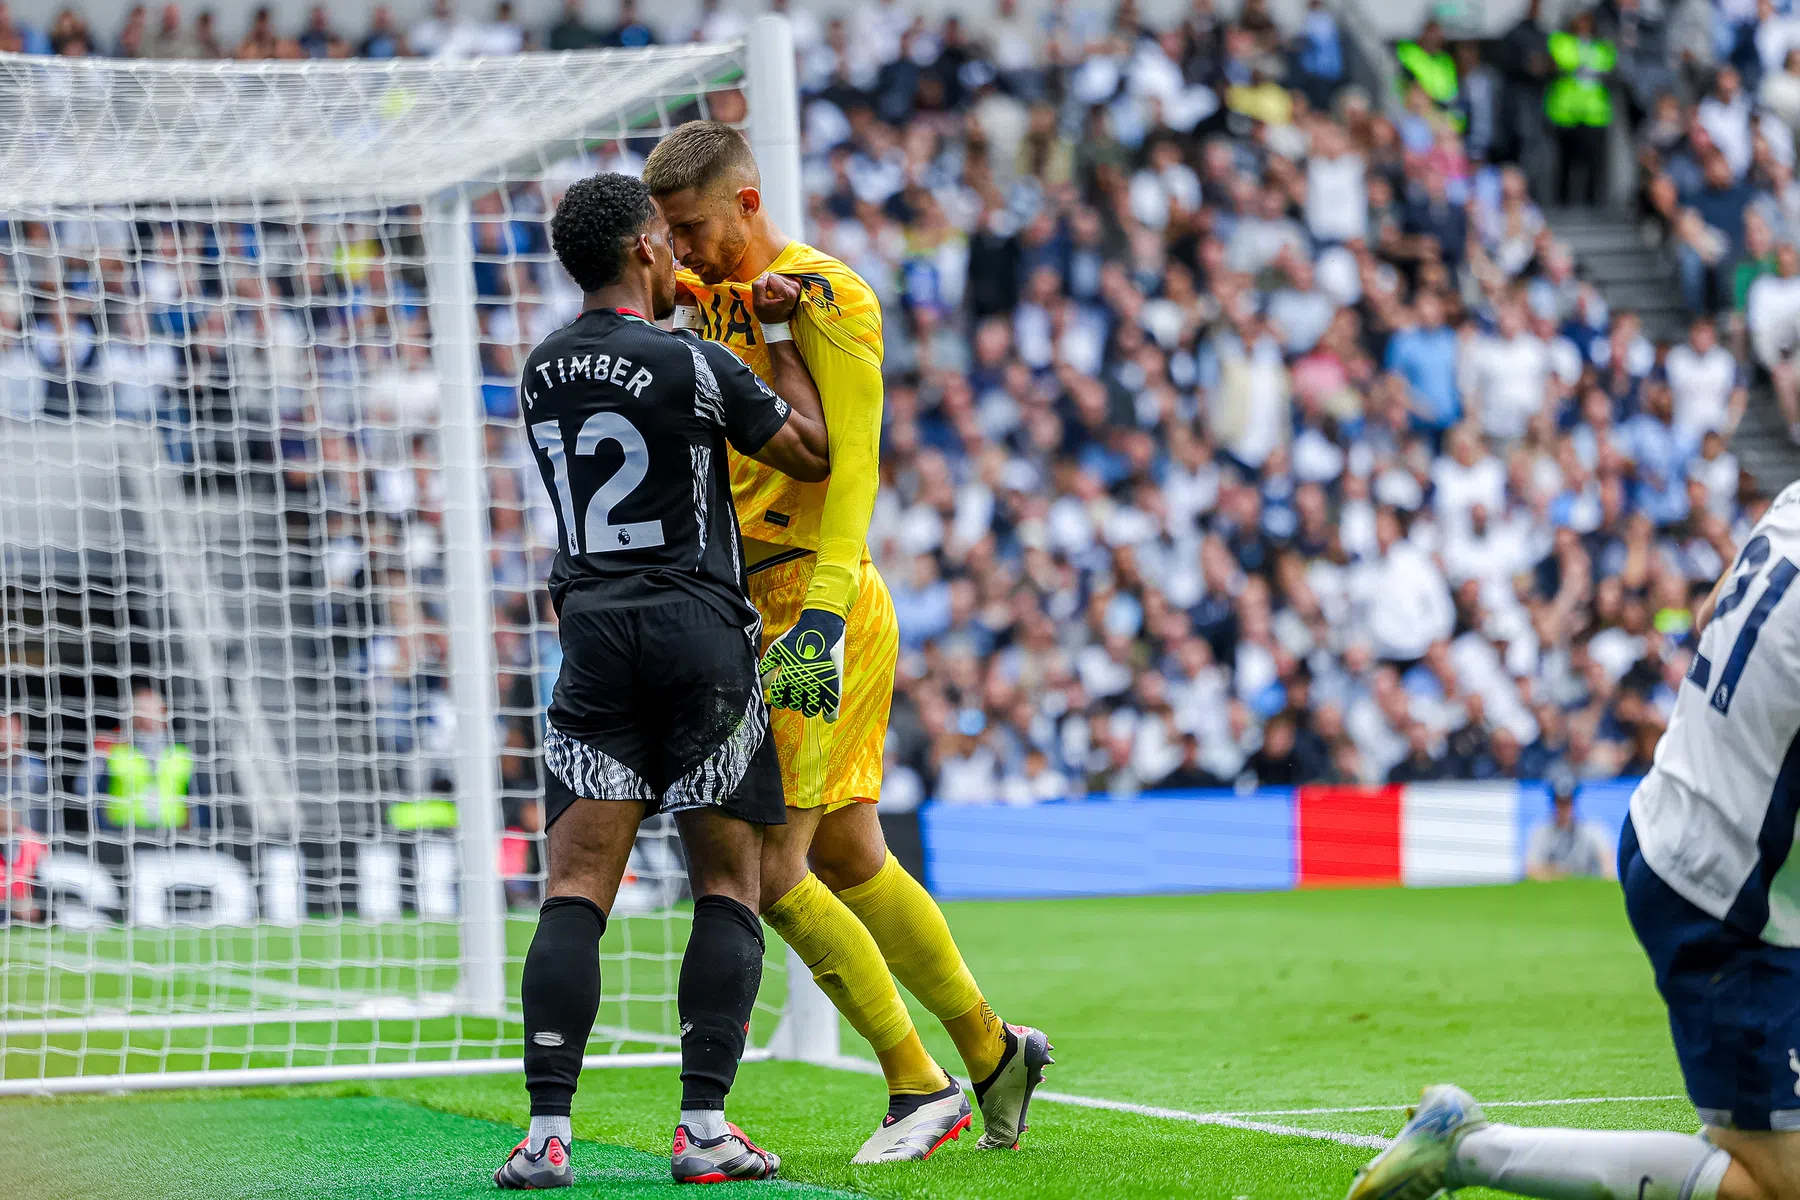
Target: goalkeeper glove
<point>804,668</point>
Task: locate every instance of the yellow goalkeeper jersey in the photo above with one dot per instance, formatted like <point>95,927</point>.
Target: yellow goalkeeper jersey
<point>837,329</point>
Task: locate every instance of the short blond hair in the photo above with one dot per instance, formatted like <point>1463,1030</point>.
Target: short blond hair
<point>698,155</point>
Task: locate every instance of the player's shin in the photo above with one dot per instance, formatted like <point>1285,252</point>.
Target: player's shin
<point>561,994</point>
<point>720,974</point>
<point>1580,1164</point>
<point>848,966</point>
<point>915,940</point>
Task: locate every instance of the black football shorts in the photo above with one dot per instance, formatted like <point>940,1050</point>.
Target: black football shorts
<point>660,703</point>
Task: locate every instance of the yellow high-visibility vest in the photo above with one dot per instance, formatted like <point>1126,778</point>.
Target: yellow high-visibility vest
<point>1436,73</point>
<point>147,796</point>
<point>1579,96</point>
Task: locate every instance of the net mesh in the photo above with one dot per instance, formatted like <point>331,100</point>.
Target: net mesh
<point>233,830</point>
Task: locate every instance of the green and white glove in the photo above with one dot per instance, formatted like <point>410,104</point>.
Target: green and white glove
<point>804,668</point>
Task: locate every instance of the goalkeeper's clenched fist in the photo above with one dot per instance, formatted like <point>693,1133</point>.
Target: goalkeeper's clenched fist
<point>804,668</point>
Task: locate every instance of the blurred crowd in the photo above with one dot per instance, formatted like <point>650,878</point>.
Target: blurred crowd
<point>1240,432</point>
<point>1242,428</point>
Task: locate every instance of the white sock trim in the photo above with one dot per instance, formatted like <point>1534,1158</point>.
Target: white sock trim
<point>545,1128</point>
<point>1708,1174</point>
<point>707,1123</point>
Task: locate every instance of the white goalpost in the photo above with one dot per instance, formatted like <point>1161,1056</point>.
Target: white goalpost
<point>274,641</point>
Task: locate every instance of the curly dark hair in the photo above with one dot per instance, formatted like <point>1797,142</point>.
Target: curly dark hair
<point>597,216</point>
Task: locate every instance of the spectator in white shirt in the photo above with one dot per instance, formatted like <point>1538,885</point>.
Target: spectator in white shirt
<point>1564,846</point>
<point>429,37</point>
<point>1708,387</point>
<point>1301,312</point>
<point>880,27</point>
<point>809,34</point>
<point>1781,90</point>
<point>1716,470</point>
<point>1488,552</point>
<point>1772,311</point>
<point>501,36</point>
<point>1166,187</point>
<point>1016,41</point>
<point>1337,203</point>
<point>1508,372</point>
<point>1264,231</point>
<point>968,768</point>
<point>1625,344</point>
<point>1037,781</point>
<point>450,36</point>
<point>718,24</point>
<point>1777,37</point>
<point>1466,478</point>
<point>1509,230</point>
<point>138,369</point>
<point>21,382</point>
<point>1565,355</point>
<point>1725,115</point>
<point>1405,598</point>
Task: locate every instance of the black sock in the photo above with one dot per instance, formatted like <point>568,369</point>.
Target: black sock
<point>719,976</point>
<point>561,993</point>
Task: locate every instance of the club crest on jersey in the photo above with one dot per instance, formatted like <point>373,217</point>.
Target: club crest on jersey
<point>819,291</point>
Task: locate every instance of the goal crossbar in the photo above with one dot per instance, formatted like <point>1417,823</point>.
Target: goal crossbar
<point>95,132</point>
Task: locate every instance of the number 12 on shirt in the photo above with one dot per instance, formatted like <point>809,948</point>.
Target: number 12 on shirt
<point>599,535</point>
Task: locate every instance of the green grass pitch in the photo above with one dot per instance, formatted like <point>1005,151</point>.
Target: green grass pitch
<point>1247,1004</point>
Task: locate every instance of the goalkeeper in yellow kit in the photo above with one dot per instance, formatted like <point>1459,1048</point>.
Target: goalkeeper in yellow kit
<point>829,886</point>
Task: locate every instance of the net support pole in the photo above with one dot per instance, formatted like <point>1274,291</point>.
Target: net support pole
<point>450,252</point>
<point>775,120</point>
<point>808,1030</point>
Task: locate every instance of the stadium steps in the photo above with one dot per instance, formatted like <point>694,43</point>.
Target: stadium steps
<point>1761,444</point>
<point>1610,249</point>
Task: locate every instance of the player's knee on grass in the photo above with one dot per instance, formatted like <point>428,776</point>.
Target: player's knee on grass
<point>1765,1166</point>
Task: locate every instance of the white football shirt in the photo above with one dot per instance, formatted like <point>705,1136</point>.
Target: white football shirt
<point>1715,817</point>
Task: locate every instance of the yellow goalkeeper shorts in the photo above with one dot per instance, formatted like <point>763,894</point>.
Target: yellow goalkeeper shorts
<point>834,763</point>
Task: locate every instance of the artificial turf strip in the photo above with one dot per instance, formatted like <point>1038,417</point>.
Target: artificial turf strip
<point>1202,1003</point>
<point>316,1148</point>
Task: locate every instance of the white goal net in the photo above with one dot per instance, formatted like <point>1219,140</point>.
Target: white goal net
<point>276,643</point>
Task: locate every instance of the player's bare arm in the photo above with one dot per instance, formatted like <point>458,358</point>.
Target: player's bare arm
<point>1704,613</point>
<point>798,448</point>
<point>801,447</point>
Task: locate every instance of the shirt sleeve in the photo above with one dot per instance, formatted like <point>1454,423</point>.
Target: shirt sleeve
<point>848,373</point>
<point>729,391</point>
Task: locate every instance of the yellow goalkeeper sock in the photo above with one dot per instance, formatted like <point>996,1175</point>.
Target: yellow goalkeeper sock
<point>847,963</point>
<point>914,938</point>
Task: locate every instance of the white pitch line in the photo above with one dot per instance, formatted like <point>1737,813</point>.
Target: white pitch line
<point>864,1066</point>
<point>1225,1120</point>
<point>1242,1120</point>
<point>1376,1108</point>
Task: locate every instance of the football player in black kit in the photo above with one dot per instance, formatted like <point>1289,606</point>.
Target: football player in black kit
<point>658,707</point>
